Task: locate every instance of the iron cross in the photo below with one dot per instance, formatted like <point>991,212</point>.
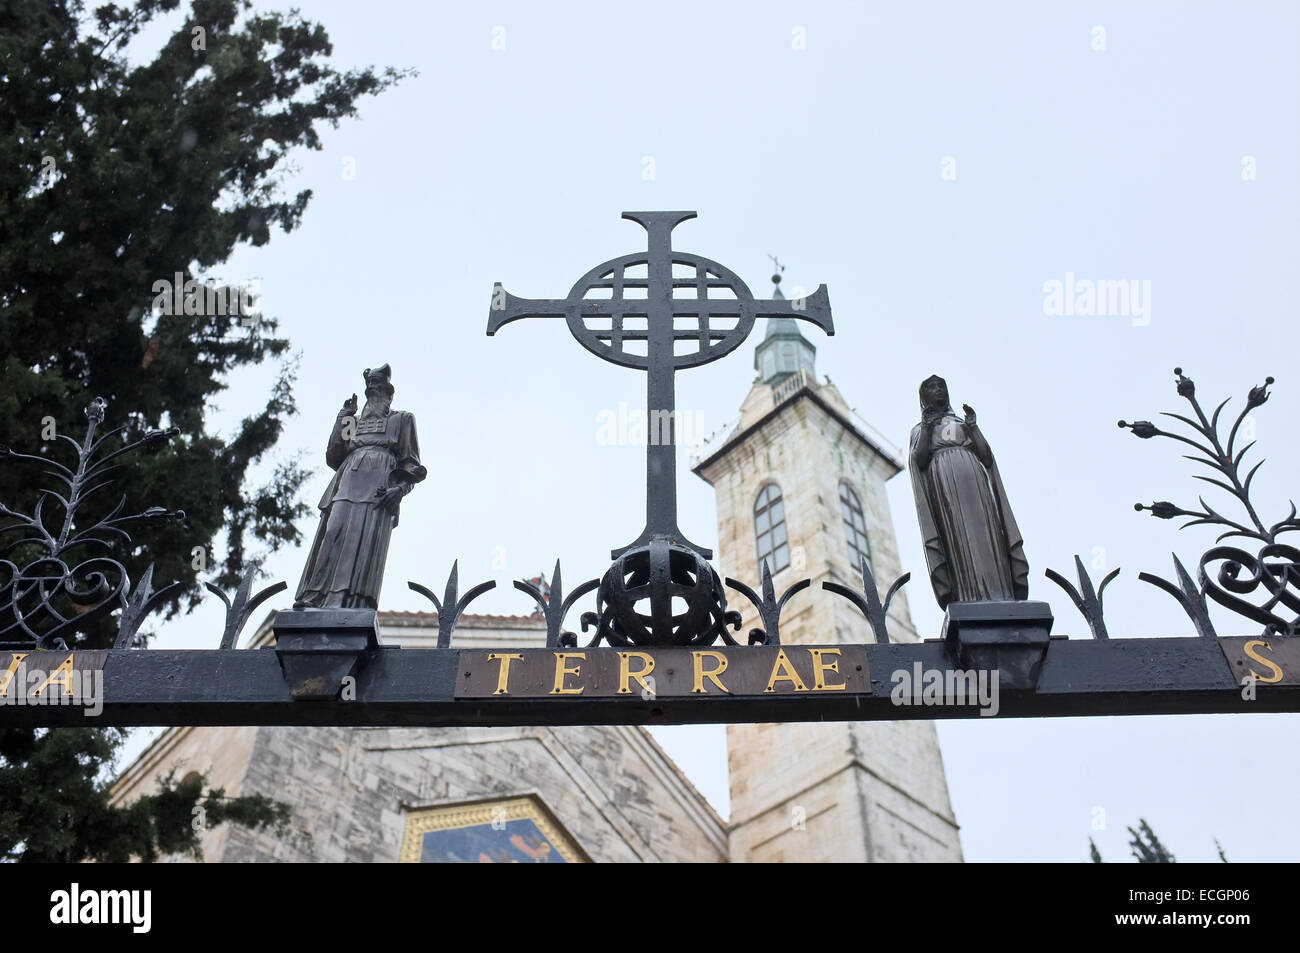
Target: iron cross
<point>692,311</point>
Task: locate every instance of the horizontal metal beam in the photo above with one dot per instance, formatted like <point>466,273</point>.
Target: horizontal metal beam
<point>606,686</point>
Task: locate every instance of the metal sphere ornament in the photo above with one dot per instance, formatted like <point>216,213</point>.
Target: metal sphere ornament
<point>661,594</point>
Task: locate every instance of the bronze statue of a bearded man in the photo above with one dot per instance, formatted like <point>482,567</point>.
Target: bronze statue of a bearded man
<point>376,460</point>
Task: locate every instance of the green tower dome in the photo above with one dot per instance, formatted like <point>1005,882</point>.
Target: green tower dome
<point>783,350</point>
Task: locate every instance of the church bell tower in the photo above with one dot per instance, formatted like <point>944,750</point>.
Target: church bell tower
<point>800,483</point>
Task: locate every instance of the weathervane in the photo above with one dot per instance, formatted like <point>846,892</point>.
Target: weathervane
<point>684,322</point>
<point>777,268</point>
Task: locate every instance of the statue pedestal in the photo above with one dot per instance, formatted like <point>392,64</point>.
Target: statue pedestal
<point>319,648</point>
<point>1009,637</point>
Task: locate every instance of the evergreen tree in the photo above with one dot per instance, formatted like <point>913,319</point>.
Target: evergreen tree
<point>1147,847</point>
<point>115,176</point>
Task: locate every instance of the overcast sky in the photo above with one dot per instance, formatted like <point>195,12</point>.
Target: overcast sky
<point>935,165</point>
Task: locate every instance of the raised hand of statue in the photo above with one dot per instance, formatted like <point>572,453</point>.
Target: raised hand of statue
<point>969,411</point>
<point>349,407</point>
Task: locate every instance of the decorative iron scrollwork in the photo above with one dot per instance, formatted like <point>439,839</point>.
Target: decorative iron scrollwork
<point>48,600</point>
<point>1273,572</point>
<point>1279,577</point>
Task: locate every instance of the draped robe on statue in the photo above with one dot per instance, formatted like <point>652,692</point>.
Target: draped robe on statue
<point>973,548</point>
<point>346,565</point>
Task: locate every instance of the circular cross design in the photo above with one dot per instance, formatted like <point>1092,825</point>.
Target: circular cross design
<point>700,317</point>
<point>659,311</point>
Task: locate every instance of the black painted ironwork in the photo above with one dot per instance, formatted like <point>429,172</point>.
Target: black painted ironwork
<point>328,668</point>
<point>141,604</point>
<point>412,687</point>
<point>868,600</point>
<point>554,605</point>
<point>449,606</point>
<point>1273,570</point>
<point>1188,595</point>
<point>659,573</point>
<point>768,605</point>
<point>660,333</point>
<point>242,605</point>
<point>1087,598</point>
<point>46,601</point>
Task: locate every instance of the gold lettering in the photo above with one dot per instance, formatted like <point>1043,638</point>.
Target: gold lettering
<point>1276,676</point>
<point>820,668</point>
<point>790,675</point>
<point>503,676</point>
<point>562,670</point>
<point>625,672</point>
<point>9,673</point>
<point>712,674</point>
<point>60,676</point>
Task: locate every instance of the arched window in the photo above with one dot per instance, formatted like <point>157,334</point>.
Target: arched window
<point>855,527</point>
<point>769,526</point>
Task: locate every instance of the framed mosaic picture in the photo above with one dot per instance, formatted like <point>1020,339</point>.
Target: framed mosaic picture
<point>499,831</point>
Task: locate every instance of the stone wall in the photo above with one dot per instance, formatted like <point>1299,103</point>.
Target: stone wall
<point>612,790</point>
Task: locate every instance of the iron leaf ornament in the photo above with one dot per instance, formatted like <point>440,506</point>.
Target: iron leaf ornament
<point>47,600</point>
<point>554,605</point>
<point>1086,598</point>
<point>452,605</point>
<point>242,605</point>
<point>768,605</point>
<point>1272,572</point>
<point>868,600</point>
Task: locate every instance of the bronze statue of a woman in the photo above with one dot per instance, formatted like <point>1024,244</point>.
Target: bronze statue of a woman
<point>973,547</point>
<point>376,460</point>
